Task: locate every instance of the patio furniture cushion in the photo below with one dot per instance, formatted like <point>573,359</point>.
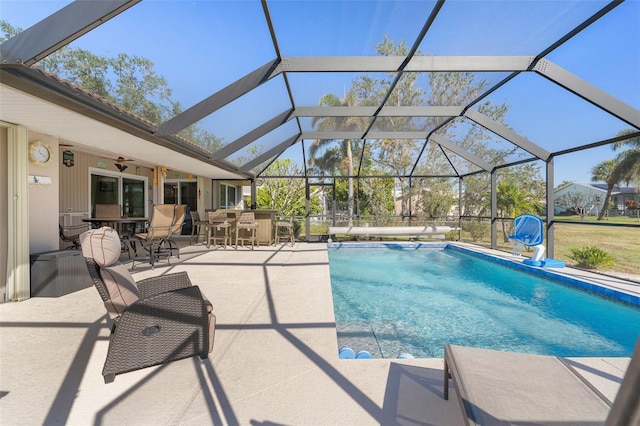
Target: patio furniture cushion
<point>499,388</point>
<point>122,289</point>
<point>102,245</point>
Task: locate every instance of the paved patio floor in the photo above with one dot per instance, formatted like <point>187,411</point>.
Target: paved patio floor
<point>274,362</point>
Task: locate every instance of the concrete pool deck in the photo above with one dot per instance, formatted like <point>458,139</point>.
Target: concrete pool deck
<point>274,362</point>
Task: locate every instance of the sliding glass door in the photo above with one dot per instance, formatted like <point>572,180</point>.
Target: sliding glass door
<point>182,192</point>
<point>133,197</point>
<point>127,191</point>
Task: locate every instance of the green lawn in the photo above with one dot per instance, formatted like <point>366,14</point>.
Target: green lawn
<point>622,243</point>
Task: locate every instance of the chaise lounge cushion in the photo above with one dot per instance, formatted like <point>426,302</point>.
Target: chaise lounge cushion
<point>103,245</point>
<point>498,388</point>
<point>123,291</point>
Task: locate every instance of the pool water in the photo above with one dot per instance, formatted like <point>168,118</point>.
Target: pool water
<point>391,301</point>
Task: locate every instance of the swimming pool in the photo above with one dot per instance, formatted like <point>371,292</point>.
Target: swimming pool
<point>415,298</point>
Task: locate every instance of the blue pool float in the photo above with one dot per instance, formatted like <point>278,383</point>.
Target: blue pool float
<point>405,356</point>
<point>346,353</point>
<point>363,355</point>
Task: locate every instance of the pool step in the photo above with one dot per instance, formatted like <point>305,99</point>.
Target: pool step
<point>359,338</point>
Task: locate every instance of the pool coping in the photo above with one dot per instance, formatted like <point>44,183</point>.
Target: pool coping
<point>570,277</point>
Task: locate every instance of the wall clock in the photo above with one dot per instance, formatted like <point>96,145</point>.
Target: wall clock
<point>39,153</point>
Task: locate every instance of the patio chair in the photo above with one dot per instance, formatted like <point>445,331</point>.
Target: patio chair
<point>284,231</point>
<point>71,234</point>
<point>155,320</point>
<point>246,227</point>
<point>108,211</point>
<point>160,228</point>
<point>197,226</point>
<point>176,227</point>
<point>499,388</point>
<point>219,229</point>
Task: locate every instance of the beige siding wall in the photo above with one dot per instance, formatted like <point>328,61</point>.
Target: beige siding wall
<point>74,182</point>
<point>4,211</point>
<point>43,200</point>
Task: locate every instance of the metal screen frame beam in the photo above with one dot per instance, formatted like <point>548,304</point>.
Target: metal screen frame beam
<point>387,111</point>
<point>59,29</point>
<point>425,63</point>
<point>371,135</point>
<point>588,92</point>
<point>506,133</point>
<point>253,135</point>
<point>275,151</point>
<point>219,99</point>
<point>445,143</point>
<point>469,63</point>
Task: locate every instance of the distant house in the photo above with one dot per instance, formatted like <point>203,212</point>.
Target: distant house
<point>594,193</point>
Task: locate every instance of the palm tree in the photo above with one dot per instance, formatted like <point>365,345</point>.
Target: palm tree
<point>330,161</point>
<point>605,172</point>
<point>513,202</point>
<point>628,168</point>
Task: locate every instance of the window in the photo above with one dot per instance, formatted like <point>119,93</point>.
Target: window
<point>227,196</point>
<point>181,192</point>
<point>128,191</point>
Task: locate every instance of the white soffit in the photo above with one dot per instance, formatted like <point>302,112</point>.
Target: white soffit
<point>43,117</point>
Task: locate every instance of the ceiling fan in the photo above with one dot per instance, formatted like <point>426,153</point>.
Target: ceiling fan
<point>122,159</point>
<point>119,165</point>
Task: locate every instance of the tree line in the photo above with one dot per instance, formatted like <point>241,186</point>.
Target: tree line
<point>131,82</point>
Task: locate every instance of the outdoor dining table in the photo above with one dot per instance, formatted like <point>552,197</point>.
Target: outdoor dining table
<point>117,223</point>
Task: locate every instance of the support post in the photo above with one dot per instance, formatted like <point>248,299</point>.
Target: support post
<point>494,209</point>
<point>254,195</point>
<point>307,207</point>
<point>460,209</point>
<point>550,209</point>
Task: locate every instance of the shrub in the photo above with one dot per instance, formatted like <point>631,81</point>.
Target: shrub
<point>478,230</point>
<point>591,257</point>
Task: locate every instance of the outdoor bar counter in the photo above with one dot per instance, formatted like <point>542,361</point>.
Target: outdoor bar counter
<point>265,219</point>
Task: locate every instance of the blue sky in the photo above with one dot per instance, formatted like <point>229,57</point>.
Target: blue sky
<point>202,46</point>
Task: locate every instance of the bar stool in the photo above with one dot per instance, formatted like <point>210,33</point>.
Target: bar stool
<point>247,225</point>
<point>197,226</point>
<point>218,229</point>
<point>284,231</point>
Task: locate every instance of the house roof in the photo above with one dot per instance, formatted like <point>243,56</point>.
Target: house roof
<point>252,73</point>
<point>600,186</point>
<point>616,189</point>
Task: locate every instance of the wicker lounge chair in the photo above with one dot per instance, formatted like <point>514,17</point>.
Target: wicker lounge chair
<point>156,320</point>
<point>501,388</point>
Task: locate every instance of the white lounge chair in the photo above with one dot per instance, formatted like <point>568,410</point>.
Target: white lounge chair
<point>392,231</point>
<point>502,388</point>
